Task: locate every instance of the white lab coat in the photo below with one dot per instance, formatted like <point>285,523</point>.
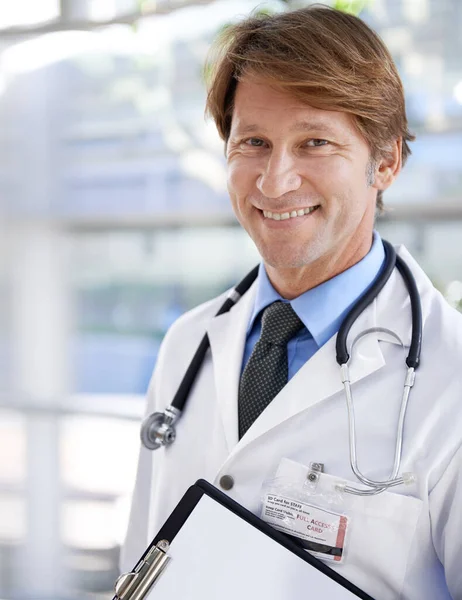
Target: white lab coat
<point>405,543</point>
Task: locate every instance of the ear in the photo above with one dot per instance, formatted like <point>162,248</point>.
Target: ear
<point>389,166</point>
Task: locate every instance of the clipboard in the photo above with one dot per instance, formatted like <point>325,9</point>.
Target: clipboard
<point>212,548</point>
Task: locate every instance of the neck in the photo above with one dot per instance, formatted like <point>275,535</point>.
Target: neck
<point>292,282</point>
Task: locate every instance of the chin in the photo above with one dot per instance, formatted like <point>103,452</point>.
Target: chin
<point>286,259</point>
<point>291,252</point>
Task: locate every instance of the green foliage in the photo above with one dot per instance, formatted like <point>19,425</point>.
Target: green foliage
<point>264,12</point>
<point>143,4</point>
<point>353,7</point>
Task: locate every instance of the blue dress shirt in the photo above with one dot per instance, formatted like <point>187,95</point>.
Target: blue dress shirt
<point>321,309</point>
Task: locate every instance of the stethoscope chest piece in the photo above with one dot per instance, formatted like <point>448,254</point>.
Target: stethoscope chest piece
<point>158,430</point>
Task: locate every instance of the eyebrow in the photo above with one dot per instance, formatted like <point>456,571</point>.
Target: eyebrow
<point>302,126</point>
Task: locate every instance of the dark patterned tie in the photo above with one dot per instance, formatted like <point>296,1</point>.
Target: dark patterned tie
<point>266,371</point>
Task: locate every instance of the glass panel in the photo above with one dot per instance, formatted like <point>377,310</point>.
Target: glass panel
<point>436,246</point>
<point>12,518</point>
<point>97,455</point>
<point>12,448</point>
<point>27,12</point>
<point>89,525</point>
<point>100,10</point>
<point>131,287</point>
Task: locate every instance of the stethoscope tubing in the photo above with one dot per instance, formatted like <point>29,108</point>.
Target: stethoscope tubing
<point>181,396</point>
<point>412,362</point>
<point>391,260</point>
<point>367,298</point>
<point>413,359</point>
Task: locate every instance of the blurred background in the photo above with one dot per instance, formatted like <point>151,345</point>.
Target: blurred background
<point>114,219</point>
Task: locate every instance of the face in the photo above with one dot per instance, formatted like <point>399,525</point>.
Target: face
<point>297,177</point>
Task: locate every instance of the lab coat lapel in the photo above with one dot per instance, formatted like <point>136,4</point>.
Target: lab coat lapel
<point>227,335</point>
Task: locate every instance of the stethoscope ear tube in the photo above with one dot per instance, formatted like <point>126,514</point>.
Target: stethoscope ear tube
<point>381,279</point>
<point>413,359</point>
<point>187,382</point>
<point>391,260</point>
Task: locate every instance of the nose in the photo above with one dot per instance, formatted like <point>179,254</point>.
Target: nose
<point>279,176</point>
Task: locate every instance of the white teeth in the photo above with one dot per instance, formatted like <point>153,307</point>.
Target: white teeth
<point>286,215</point>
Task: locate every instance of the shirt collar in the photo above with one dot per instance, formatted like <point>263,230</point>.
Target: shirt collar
<point>323,308</point>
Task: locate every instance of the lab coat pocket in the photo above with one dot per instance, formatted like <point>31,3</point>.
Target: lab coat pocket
<point>380,533</point>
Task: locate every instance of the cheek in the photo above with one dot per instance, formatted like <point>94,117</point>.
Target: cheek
<point>232,180</point>
<point>337,179</point>
<point>333,171</point>
<point>240,179</point>
<point>237,190</point>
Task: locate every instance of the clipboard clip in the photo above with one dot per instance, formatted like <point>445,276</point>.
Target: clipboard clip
<point>136,584</point>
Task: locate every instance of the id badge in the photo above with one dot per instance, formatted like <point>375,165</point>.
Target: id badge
<point>303,505</point>
<point>318,530</point>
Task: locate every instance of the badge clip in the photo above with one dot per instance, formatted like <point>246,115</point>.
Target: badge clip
<point>313,475</point>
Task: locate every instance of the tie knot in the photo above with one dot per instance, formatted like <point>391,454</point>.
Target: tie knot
<point>279,323</point>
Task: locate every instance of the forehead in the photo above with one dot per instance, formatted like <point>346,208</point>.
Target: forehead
<point>259,106</point>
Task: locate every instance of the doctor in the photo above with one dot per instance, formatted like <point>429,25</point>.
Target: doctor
<point>311,109</point>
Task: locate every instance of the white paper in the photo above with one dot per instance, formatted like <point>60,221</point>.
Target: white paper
<point>218,556</point>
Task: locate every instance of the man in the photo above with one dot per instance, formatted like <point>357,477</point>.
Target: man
<point>311,109</point>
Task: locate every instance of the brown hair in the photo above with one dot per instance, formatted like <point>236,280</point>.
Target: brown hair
<point>324,57</point>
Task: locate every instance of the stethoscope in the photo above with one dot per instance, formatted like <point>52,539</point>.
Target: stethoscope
<point>159,428</point>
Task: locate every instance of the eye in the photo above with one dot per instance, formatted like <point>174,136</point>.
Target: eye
<point>316,143</point>
<point>254,142</point>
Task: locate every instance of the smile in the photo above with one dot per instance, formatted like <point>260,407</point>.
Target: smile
<point>289,215</point>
